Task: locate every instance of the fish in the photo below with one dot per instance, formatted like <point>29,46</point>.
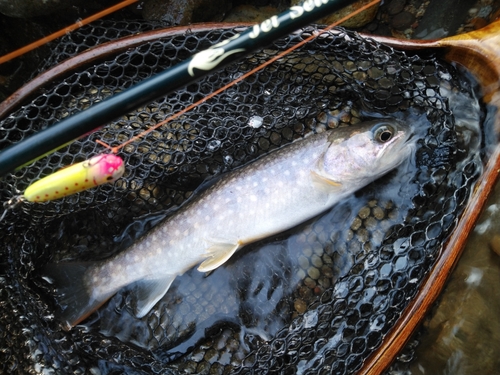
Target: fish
<point>275,193</point>
<point>98,170</point>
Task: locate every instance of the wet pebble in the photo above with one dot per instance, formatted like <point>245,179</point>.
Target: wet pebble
<point>495,244</point>
<point>305,292</point>
<point>307,251</point>
<point>303,262</point>
<point>324,282</point>
<point>402,20</point>
<point>395,6</point>
<point>370,222</point>
<point>316,261</point>
<point>364,212</point>
<point>359,20</point>
<point>182,12</point>
<point>327,271</point>
<point>309,282</point>
<point>378,213</point>
<point>250,13</point>
<point>356,224</point>
<point>313,272</point>
<point>300,306</point>
<point>327,259</point>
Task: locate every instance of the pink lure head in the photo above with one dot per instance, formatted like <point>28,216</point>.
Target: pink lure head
<point>108,167</point>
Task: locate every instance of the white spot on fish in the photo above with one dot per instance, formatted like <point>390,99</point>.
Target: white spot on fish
<point>253,198</point>
<point>207,218</point>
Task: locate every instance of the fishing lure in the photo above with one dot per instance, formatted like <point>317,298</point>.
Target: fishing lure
<point>100,169</point>
<point>96,171</point>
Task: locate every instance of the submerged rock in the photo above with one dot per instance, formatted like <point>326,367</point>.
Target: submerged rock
<point>250,13</point>
<point>34,8</point>
<point>184,12</point>
<point>359,20</point>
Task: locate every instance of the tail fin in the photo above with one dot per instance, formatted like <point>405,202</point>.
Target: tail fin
<point>74,296</point>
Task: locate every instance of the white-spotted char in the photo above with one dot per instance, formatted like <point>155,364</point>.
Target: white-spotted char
<point>274,193</point>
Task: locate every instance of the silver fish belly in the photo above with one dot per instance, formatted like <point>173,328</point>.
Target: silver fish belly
<point>268,196</point>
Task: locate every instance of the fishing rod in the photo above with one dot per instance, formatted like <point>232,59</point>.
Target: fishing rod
<point>180,75</point>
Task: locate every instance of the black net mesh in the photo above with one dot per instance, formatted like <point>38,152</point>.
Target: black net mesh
<point>96,33</point>
<point>317,299</point>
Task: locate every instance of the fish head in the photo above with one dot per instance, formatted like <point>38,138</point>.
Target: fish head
<point>362,153</point>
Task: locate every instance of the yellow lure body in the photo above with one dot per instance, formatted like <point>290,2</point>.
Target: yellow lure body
<point>100,169</point>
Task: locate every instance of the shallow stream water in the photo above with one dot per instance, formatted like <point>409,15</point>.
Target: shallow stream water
<point>462,335</point>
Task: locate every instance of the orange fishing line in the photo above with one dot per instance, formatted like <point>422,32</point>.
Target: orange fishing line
<point>115,149</point>
<point>61,32</point>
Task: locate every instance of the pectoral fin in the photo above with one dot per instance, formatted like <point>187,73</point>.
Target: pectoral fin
<point>324,182</point>
<point>218,254</point>
<point>149,291</point>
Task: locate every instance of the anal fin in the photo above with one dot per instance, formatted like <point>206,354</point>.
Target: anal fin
<point>218,254</point>
<point>147,292</point>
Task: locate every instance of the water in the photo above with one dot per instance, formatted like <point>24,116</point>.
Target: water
<point>463,335</point>
<point>307,298</point>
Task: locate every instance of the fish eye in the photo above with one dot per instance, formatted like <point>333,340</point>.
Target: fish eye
<point>383,133</point>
